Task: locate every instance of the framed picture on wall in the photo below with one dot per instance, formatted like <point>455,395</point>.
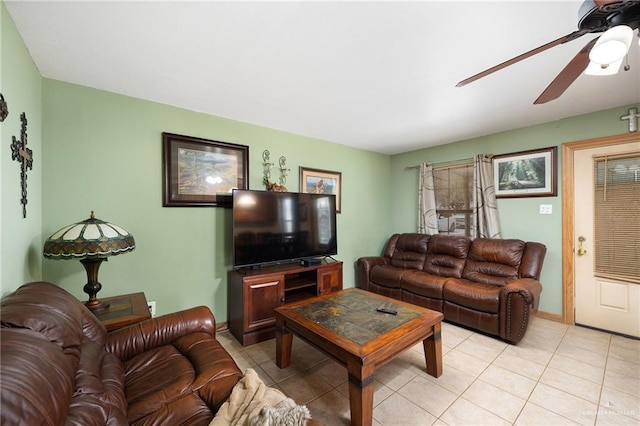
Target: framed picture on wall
<point>526,173</point>
<point>317,181</point>
<point>202,172</point>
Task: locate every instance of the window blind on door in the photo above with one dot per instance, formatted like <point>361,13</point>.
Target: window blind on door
<point>617,217</point>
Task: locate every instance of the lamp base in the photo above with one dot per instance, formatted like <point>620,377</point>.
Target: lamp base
<point>96,305</point>
<point>92,287</point>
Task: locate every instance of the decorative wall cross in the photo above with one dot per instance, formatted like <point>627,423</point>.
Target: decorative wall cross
<point>633,119</point>
<point>24,156</point>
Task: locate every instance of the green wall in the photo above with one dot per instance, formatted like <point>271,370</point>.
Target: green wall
<point>20,84</point>
<point>104,153</point>
<point>519,217</point>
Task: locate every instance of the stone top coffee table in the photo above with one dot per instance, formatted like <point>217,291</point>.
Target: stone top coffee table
<point>346,326</point>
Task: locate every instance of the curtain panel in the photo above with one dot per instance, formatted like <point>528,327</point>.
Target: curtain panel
<point>427,215</point>
<point>484,221</point>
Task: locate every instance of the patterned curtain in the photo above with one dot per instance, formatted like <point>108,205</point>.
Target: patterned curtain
<point>485,223</point>
<point>427,217</point>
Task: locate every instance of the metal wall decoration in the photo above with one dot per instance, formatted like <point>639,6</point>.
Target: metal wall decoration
<point>633,119</point>
<point>24,155</point>
<point>4,109</point>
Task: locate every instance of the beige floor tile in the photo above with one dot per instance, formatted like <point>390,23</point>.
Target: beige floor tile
<point>305,387</point>
<point>464,362</point>
<point>495,400</point>
<point>531,353</point>
<point>564,404</point>
<point>453,335</point>
<point>332,409</point>
<point>394,375</point>
<point>509,381</point>
<point>622,367</point>
<point>611,418</point>
<point>331,371</point>
<point>428,395</point>
<point>590,342</point>
<point>589,333</point>
<point>464,412</point>
<point>482,347</point>
<point>621,403</point>
<point>577,368</point>
<point>572,384</point>
<point>278,374</point>
<point>622,381</point>
<point>510,361</point>
<point>399,411</point>
<point>451,379</point>
<point>262,352</point>
<point>534,415</point>
<point>577,352</point>
<point>625,350</point>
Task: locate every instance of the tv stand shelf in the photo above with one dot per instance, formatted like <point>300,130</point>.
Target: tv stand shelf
<point>254,293</point>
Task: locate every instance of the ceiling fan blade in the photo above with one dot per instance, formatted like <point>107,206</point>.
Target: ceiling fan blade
<point>568,75</point>
<point>569,37</point>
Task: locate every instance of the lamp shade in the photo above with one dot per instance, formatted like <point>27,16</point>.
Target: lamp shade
<point>91,238</point>
<point>90,241</point>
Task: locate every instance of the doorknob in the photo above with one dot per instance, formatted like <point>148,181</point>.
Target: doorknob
<point>581,250</point>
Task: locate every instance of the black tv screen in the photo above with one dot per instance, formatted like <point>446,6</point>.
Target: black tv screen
<point>271,227</point>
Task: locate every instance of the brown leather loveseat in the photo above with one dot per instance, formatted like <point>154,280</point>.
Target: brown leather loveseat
<point>491,285</point>
<point>59,365</point>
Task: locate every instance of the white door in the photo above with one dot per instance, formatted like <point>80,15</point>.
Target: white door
<point>607,300</point>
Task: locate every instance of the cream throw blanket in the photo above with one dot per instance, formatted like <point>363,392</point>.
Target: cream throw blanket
<point>252,403</point>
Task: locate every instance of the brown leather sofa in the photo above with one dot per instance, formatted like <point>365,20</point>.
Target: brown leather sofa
<point>491,285</point>
<point>59,365</point>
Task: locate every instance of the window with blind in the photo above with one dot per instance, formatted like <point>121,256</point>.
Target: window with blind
<point>453,192</point>
<point>617,217</point>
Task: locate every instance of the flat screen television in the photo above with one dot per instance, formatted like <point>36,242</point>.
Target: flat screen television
<point>277,227</point>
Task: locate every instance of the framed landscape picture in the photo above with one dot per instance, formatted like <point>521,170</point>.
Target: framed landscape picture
<point>526,173</point>
<point>317,181</point>
<point>202,172</point>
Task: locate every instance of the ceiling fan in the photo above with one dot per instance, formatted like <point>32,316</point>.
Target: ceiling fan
<point>595,16</point>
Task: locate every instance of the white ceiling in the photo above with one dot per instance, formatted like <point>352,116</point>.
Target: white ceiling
<point>374,75</point>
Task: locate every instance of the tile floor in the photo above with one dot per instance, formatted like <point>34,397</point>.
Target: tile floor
<point>557,375</point>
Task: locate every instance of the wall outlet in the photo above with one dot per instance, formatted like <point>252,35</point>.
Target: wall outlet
<point>152,308</point>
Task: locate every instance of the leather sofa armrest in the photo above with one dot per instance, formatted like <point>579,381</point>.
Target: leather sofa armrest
<point>529,288</point>
<point>518,301</point>
<point>127,342</point>
<point>363,269</point>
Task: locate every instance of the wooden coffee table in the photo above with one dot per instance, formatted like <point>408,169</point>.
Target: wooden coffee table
<point>346,326</point>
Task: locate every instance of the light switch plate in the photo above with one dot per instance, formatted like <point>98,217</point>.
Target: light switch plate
<point>546,208</point>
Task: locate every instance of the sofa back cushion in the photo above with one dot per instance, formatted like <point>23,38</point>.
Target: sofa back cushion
<point>532,260</point>
<point>410,251</point>
<point>446,255</point>
<point>493,261</point>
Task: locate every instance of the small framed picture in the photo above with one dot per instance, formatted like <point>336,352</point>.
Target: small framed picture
<point>317,181</point>
<point>526,173</point>
<point>202,172</point>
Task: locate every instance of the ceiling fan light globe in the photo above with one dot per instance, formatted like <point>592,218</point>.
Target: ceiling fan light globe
<point>612,46</point>
<point>603,69</point>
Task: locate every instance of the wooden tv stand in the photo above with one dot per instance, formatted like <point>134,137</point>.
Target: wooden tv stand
<point>253,294</point>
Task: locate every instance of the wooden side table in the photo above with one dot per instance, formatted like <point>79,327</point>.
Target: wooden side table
<point>124,310</point>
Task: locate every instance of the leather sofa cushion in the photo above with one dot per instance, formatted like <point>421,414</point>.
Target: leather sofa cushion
<point>446,255</point>
<point>387,276</point>
<point>423,284</point>
<point>36,379</point>
<point>477,296</point>
<point>410,251</point>
<point>46,310</point>
<point>493,261</point>
<point>199,368</point>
